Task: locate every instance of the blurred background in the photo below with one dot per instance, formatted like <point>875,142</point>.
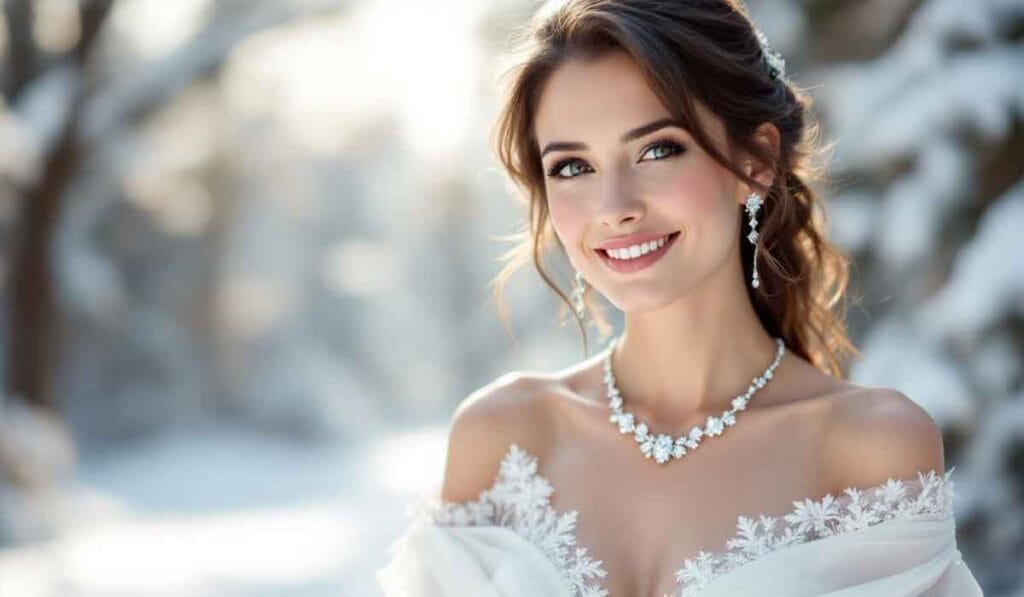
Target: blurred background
<point>245,248</point>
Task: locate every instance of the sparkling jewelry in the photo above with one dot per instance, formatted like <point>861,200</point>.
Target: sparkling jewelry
<point>753,205</point>
<point>776,63</point>
<point>579,288</point>
<point>664,447</point>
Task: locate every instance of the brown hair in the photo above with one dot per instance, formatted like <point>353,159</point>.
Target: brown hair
<point>707,50</point>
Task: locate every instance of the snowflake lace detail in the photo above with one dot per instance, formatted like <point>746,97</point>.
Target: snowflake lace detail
<point>809,520</point>
<point>519,500</point>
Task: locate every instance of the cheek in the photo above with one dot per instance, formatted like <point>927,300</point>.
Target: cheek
<point>695,196</point>
<point>568,218</point>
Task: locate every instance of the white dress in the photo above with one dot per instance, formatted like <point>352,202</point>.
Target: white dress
<point>893,539</point>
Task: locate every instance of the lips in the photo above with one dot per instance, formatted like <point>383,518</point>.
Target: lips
<point>626,266</point>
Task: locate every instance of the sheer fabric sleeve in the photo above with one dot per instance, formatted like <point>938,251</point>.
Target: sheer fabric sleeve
<point>894,539</point>
<point>508,542</point>
<point>456,549</point>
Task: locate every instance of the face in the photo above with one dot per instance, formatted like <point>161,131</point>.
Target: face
<point>608,176</point>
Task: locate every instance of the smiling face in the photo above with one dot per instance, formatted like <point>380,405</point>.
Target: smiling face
<point>609,175</point>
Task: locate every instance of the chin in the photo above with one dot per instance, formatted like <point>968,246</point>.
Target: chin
<point>639,300</point>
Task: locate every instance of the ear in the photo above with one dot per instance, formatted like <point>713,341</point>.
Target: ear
<point>767,136</point>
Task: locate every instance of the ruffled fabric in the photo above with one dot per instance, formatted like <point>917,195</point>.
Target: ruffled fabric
<point>897,538</point>
<point>441,561</point>
<point>909,556</point>
<point>519,500</point>
<point>924,502</point>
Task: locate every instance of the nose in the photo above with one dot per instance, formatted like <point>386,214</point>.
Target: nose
<point>619,204</point>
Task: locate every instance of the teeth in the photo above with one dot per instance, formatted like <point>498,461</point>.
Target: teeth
<point>635,251</point>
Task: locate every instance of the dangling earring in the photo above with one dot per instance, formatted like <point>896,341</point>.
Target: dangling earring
<point>753,205</point>
<point>577,296</point>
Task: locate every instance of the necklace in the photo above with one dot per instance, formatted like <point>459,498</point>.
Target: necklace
<point>664,447</point>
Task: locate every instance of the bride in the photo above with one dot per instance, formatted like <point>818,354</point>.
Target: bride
<point>713,447</point>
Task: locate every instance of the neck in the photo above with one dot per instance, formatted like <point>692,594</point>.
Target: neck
<point>690,358</point>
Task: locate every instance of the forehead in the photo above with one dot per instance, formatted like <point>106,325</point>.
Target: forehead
<point>597,99</point>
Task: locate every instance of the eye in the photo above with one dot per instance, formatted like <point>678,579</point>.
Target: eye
<point>662,149</point>
<point>572,165</point>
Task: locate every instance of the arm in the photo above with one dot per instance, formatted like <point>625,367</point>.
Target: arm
<point>431,560</point>
<point>483,426</point>
<point>877,434</point>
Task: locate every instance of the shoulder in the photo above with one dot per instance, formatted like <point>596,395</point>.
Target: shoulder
<point>484,425</point>
<point>872,434</point>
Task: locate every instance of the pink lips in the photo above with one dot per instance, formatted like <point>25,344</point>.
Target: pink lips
<point>626,266</point>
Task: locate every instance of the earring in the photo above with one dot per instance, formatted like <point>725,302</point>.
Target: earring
<point>577,296</point>
<point>753,205</point>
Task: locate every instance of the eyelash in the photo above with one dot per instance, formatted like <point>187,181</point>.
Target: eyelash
<point>675,149</point>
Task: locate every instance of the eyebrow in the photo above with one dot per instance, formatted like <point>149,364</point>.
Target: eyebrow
<point>636,133</point>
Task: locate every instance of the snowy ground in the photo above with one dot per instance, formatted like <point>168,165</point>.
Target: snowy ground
<point>228,511</point>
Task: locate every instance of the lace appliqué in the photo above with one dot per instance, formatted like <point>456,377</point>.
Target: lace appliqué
<point>810,520</point>
<point>520,500</point>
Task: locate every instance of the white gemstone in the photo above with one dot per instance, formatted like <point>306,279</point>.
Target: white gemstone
<point>752,237</point>
<point>663,447</point>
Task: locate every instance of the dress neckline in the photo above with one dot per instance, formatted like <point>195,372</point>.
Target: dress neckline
<point>520,500</point>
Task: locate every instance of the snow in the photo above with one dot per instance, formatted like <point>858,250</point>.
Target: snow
<point>895,355</point>
<point>222,510</point>
<point>987,280</point>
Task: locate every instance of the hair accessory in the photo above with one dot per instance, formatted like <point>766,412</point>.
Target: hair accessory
<point>776,63</point>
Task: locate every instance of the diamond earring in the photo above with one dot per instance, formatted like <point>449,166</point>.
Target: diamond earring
<point>753,205</point>
<point>579,288</point>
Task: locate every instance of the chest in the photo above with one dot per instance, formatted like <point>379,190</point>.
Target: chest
<point>643,519</point>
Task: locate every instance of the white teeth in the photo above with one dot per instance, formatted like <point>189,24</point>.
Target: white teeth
<point>637,250</point>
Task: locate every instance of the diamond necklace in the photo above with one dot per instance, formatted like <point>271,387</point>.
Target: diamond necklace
<point>664,447</point>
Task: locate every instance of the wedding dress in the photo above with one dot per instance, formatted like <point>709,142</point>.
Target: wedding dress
<point>897,538</point>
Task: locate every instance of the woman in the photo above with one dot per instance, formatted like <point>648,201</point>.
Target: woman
<point>661,146</point>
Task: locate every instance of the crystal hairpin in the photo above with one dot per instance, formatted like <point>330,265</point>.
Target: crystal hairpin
<point>776,63</point>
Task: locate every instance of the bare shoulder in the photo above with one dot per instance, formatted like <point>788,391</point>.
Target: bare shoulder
<point>483,426</point>
<point>873,434</point>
